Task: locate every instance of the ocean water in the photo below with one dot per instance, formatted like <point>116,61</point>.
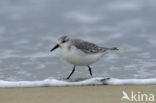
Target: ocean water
<point>30,28</point>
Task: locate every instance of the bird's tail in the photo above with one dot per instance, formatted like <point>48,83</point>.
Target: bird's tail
<point>114,48</point>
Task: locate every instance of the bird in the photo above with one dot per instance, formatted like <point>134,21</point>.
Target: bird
<point>80,52</point>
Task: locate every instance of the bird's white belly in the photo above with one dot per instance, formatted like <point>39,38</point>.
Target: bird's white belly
<point>76,57</point>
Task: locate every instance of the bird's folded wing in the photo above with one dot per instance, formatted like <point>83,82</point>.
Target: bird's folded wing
<point>87,47</point>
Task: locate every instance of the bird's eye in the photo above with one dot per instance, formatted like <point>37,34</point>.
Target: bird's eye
<point>63,41</point>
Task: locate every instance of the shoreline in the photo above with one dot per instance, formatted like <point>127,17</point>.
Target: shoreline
<point>72,94</point>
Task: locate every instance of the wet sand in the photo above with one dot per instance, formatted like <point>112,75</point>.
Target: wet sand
<point>71,94</point>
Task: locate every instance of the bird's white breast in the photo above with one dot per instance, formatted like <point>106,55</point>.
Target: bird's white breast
<point>78,57</point>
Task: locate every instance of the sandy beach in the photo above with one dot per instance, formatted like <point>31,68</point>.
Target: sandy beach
<point>71,94</point>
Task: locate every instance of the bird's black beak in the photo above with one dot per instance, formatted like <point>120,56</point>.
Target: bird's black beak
<point>55,47</point>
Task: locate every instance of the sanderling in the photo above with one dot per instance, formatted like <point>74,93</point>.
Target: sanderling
<point>79,52</point>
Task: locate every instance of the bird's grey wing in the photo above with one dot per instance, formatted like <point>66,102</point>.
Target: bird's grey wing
<point>87,47</point>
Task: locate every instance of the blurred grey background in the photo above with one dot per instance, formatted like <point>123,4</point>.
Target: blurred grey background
<point>30,28</point>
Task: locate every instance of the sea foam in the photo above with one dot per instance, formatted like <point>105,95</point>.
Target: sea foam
<point>91,81</point>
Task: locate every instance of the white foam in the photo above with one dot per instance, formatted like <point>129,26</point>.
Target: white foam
<point>91,81</point>
<point>131,81</point>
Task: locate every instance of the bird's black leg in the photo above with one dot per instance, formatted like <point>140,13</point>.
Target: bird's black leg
<point>90,70</point>
<point>71,73</point>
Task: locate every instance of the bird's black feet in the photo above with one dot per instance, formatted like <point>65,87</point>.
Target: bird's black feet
<point>90,70</point>
<point>71,73</point>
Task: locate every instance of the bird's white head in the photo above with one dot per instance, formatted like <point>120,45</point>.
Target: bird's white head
<point>63,39</point>
<point>61,42</point>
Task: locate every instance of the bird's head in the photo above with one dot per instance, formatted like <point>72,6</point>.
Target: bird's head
<point>63,40</point>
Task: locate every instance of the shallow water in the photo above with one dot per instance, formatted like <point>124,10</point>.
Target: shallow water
<point>29,29</point>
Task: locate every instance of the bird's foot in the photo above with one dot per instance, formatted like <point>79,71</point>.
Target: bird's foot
<point>105,79</point>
